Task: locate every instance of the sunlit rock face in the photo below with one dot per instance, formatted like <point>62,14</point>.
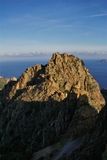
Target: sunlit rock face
<point>46,103</point>
<point>64,74</point>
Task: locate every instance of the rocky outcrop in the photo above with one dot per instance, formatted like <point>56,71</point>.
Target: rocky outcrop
<point>47,104</point>
<point>4,81</point>
<point>64,74</point>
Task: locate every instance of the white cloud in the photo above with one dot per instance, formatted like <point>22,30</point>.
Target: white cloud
<point>98,15</point>
<point>37,47</point>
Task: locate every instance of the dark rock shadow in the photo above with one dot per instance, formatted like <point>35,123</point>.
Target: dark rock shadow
<point>96,140</point>
<point>26,127</point>
<point>38,78</point>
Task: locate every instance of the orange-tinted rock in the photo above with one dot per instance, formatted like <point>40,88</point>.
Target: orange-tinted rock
<point>63,74</point>
<point>49,103</point>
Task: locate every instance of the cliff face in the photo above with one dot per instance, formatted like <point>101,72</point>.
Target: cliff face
<point>63,75</point>
<point>95,142</point>
<point>60,99</point>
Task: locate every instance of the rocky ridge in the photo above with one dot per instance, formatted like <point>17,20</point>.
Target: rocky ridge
<point>64,74</point>
<point>48,104</point>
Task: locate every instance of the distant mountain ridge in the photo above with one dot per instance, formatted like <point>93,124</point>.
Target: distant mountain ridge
<point>103,60</point>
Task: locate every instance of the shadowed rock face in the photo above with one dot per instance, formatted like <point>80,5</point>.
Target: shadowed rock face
<point>48,103</point>
<point>4,81</point>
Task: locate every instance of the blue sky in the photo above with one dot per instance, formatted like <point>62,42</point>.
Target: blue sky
<point>53,25</point>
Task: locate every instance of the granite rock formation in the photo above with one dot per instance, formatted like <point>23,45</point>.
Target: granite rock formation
<point>47,104</point>
<point>64,74</point>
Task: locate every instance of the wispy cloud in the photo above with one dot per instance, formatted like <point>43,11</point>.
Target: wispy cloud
<point>40,22</point>
<point>98,15</point>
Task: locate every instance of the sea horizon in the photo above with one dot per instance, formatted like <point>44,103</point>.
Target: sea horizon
<point>14,67</point>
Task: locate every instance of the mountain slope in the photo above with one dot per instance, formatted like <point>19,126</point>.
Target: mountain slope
<point>48,104</point>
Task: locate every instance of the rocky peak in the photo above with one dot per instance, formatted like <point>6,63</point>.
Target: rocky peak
<point>64,74</point>
<point>46,104</point>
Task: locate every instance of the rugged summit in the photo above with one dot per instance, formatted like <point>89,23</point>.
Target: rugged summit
<point>63,75</point>
<point>46,105</point>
